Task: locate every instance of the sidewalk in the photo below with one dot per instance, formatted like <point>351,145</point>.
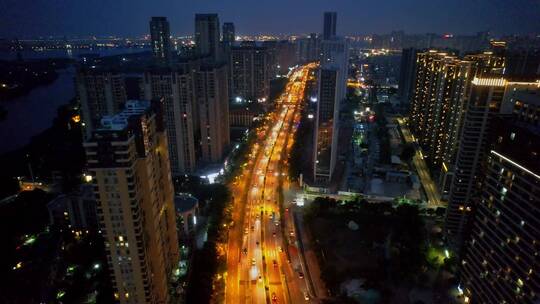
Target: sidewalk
<point>305,248</point>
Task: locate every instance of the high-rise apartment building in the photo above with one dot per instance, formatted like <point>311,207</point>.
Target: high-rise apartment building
<point>500,264</point>
<point>128,158</point>
<point>195,96</point>
<point>407,73</point>
<point>330,22</point>
<point>286,56</point>
<point>525,61</point>
<point>100,93</point>
<point>328,48</point>
<point>195,105</point>
<point>250,66</point>
<point>491,96</point>
<point>440,97</point>
<point>207,36</point>
<point>331,91</point>
<point>229,35</point>
<point>307,49</point>
<point>212,99</point>
<point>175,88</point>
<point>441,82</point>
<point>160,39</point>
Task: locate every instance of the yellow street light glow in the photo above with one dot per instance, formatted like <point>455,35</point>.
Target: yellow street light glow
<point>444,167</point>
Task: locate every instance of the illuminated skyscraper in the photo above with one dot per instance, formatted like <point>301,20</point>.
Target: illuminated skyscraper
<point>441,95</point>
<point>175,88</point>
<point>160,39</point>
<point>196,112</point>
<point>212,99</point>
<point>441,82</point>
<point>331,91</point>
<point>490,96</point>
<point>501,254</point>
<point>250,65</point>
<point>128,159</point>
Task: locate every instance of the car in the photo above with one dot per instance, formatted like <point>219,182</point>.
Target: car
<point>306,296</point>
<point>274,297</point>
<point>257,243</point>
<point>246,231</point>
<point>252,228</point>
<point>274,262</point>
<point>291,233</point>
<point>280,249</point>
<point>300,275</point>
<point>253,262</point>
<point>245,250</point>
<point>260,278</point>
<point>274,234</point>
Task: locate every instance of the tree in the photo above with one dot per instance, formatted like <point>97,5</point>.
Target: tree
<point>407,153</point>
<point>440,211</point>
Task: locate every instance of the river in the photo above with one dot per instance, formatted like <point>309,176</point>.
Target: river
<point>33,113</point>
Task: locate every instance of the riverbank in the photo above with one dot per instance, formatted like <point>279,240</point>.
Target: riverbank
<point>18,78</point>
<point>56,149</point>
<point>34,112</point>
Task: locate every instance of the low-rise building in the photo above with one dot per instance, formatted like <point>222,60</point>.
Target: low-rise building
<point>187,211</point>
<point>75,211</point>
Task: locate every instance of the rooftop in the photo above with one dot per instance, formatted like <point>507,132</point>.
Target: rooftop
<point>120,121</point>
<point>184,202</point>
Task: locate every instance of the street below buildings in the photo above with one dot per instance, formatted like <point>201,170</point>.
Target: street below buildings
<point>431,190</point>
<point>264,261</point>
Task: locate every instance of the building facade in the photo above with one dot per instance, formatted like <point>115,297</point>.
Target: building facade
<point>330,23</point>
<point>501,260</point>
<point>99,93</point>
<point>212,99</point>
<point>407,74</point>
<point>175,88</point>
<point>489,98</point>
<point>441,88</point>
<point>332,79</point>
<point>128,159</point>
<point>307,49</point>
<point>160,39</point>
<point>207,35</point>
<point>75,211</point>
<point>250,66</point>
<point>229,33</point>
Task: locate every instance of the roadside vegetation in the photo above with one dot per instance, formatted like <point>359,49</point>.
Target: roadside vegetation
<point>385,246</point>
<point>208,260</point>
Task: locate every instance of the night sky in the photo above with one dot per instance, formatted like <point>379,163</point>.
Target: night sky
<point>26,18</point>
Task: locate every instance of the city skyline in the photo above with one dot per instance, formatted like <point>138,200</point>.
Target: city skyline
<point>41,18</point>
<point>323,168</point>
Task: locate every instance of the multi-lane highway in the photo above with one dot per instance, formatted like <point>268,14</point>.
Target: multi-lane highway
<point>260,266</point>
